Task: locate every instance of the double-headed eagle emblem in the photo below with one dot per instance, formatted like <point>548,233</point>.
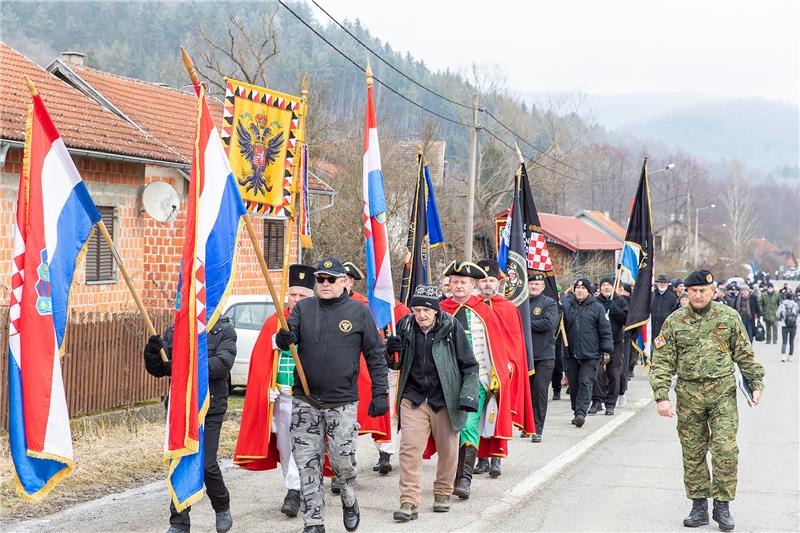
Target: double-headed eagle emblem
<point>259,149</point>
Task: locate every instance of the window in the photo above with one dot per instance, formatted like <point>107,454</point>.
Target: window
<point>99,259</point>
<point>658,242</point>
<point>273,243</point>
<point>249,315</point>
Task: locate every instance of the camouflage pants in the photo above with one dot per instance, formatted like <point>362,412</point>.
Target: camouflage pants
<point>309,429</point>
<point>707,421</point>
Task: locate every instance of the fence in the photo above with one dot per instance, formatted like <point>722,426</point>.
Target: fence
<point>102,363</point>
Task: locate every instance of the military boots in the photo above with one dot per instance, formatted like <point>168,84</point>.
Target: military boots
<point>466,462</point>
<point>722,516</point>
<point>699,514</point>
<point>482,467</point>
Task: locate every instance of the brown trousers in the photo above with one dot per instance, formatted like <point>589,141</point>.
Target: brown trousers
<point>417,424</point>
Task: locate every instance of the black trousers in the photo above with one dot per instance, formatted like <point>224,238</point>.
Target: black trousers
<point>558,369</point>
<point>787,335</point>
<point>581,374</point>
<point>540,383</point>
<point>215,486</point>
<point>626,365</point>
<point>606,386</point>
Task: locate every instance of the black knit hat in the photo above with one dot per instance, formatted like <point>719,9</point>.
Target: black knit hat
<point>608,280</point>
<point>301,276</point>
<point>426,296</point>
<point>582,282</point>
<point>699,278</point>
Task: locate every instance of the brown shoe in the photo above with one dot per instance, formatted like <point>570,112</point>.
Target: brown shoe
<point>406,512</point>
<point>441,503</point>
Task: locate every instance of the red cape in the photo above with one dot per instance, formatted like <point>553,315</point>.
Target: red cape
<point>381,427</point>
<point>255,449</point>
<point>499,340</point>
<point>521,401</point>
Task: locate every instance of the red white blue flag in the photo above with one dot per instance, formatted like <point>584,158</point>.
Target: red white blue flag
<point>379,272</point>
<point>213,220</point>
<point>55,216</point>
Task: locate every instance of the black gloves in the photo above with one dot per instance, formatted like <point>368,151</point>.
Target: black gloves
<point>393,344</point>
<point>284,338</point>
<point>468,405</point>
<point>153,349</point>
<point>152,358</point>
<point>379,406</point>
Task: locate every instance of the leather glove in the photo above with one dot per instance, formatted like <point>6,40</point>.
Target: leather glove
<point>284,338</point>
<point>393,344</point>
<point>273,394</point>
<point>379,406</point>
<point>153,348</point>
<point>605,358</point>
<point>468,405</point>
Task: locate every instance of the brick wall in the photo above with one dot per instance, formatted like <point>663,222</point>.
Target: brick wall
<point>151,250</point>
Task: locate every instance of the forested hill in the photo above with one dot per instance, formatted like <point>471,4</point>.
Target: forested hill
<point>141,40</point>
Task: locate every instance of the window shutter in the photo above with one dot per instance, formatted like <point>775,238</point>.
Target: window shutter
<point>273,243</point>
<point>99,259</point>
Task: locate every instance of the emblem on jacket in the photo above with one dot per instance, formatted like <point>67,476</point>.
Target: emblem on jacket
<point>537,311</point>
<point>345,326</point>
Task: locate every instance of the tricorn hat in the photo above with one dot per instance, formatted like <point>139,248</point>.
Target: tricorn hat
<point>353,271</point>
<point>466,269</point>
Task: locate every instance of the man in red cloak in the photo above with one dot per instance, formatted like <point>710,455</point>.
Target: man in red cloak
<point>264,439</point>
<point>488,431</point>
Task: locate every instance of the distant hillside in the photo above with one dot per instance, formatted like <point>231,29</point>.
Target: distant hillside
<point>763,134</point>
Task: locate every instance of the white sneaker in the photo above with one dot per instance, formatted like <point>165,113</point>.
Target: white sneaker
<point>621,400</point>
<point>783,359</point>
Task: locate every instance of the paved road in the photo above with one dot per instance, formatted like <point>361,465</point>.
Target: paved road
<point>623,472</point>
<point>633,480</point>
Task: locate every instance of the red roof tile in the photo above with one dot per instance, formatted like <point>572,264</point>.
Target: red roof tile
<point>575,234</point>
<point>600,218</point>
<point>82,122</point>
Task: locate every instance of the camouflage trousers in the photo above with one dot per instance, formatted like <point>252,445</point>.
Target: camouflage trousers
<point>707,421</point>
<point>310,428</point>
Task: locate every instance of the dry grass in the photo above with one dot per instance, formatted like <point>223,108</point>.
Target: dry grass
<point>110,456</point>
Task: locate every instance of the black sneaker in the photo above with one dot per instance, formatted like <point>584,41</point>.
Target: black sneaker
<point>609,411</point>
<point>291,503</point>
<point>351,516</point>
<point>482,467</point>
<point>384,464</point>
<point>578,421</point>
<point>536,438</point>
<point>224,521</point>
<point>596,406</point>
<point>556,395</point>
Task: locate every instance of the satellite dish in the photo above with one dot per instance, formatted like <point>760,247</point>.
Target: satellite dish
<point>160,201</point>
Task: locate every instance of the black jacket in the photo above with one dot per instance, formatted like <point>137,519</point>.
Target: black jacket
<point>588,329</point>
<point>331,336</point>
<point>617,309</point>
<point>221,354</point>
<point>544,321</point>
<point>661,306</point>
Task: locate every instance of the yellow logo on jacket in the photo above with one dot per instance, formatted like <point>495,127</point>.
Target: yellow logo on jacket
<point>345,326</point>
<point>537,311</point>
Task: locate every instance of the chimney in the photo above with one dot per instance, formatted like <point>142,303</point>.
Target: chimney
<point>72,58</point>
<point>605,216</point>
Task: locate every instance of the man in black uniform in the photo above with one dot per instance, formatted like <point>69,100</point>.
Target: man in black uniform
<point>590,344</point>
<point>662,304</point>
<point>606,386</point>
<point>332,331</point>
<point>544,321</point>
<point>221,354</point>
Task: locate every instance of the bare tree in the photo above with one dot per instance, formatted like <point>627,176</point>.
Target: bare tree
<point>738,202</point>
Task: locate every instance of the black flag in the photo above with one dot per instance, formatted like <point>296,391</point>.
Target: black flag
<point>636,267</point>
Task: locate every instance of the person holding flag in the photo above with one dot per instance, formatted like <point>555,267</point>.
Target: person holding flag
<point>264,438</point>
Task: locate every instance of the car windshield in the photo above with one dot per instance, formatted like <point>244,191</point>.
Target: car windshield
<point>250,315</point>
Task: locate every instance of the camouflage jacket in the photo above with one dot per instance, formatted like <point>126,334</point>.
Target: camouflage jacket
<point>699,347</point>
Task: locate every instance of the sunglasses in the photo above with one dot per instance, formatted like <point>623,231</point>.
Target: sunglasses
<point>325,279</point>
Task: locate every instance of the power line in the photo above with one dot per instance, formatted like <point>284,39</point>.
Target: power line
<point>362,69</point>
<point>387,63</point>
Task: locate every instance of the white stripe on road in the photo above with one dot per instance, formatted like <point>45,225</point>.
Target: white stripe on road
<point>527,486</point>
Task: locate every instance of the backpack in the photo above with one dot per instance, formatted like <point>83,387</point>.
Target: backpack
<point>790,316</point>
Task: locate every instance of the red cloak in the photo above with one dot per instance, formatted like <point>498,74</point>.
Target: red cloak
<point>499,341</point>
<point>521,401</point>
<point>255,449</point>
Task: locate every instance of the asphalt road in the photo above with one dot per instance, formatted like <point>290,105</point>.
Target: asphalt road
<point>619,473</point>
<point>633,480</point>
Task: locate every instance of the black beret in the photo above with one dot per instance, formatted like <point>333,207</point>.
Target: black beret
<point>301,276</point>
<point>491,267</point>
<point>466,269</point>
<point>583,282</point>
<point>426,296</point>
<point>535,276</point>
<point>699,278</point>
<point>352,270</point>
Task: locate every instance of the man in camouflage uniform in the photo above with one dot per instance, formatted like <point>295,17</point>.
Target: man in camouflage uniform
<point>700,343</point>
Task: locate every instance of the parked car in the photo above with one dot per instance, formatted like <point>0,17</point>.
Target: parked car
<point>791,273</point>
<point>247,315</point>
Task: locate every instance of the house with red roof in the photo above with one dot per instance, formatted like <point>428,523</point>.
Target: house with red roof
<point>123,134</point>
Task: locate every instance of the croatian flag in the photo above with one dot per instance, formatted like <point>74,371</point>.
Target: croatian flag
<point>55,216</point>
<point>213,218</point>
<point>379,272</point>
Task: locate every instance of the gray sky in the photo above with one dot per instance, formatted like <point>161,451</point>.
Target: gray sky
<point>720,47</point>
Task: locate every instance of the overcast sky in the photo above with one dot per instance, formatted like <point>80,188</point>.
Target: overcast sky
<point>719,47</point>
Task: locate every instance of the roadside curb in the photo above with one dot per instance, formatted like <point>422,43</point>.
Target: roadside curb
<point>520,492</point>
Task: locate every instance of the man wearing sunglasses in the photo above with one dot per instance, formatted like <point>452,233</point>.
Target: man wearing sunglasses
<point>331,331</point>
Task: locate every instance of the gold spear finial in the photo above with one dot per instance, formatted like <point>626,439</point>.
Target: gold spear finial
<point>304,85</point>
<point>519,154</point>
<point>187,61</point>
<point>31,86</point>
<point>368,72</point>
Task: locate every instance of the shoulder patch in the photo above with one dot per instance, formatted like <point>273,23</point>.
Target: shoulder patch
<point>659,342</point>
<point>722,325</point>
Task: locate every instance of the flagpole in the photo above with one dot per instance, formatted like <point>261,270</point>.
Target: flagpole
<point>117,259</point>
<point>187,61</point>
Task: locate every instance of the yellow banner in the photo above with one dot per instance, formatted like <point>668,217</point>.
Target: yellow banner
<point>262,133</point>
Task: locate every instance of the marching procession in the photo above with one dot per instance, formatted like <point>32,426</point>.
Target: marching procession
<point>449,369</point>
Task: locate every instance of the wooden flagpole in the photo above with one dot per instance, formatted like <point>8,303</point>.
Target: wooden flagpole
<point>117,259</point>
<point>251,232</point>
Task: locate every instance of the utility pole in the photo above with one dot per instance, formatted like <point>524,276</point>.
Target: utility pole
<point>473,171</point>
